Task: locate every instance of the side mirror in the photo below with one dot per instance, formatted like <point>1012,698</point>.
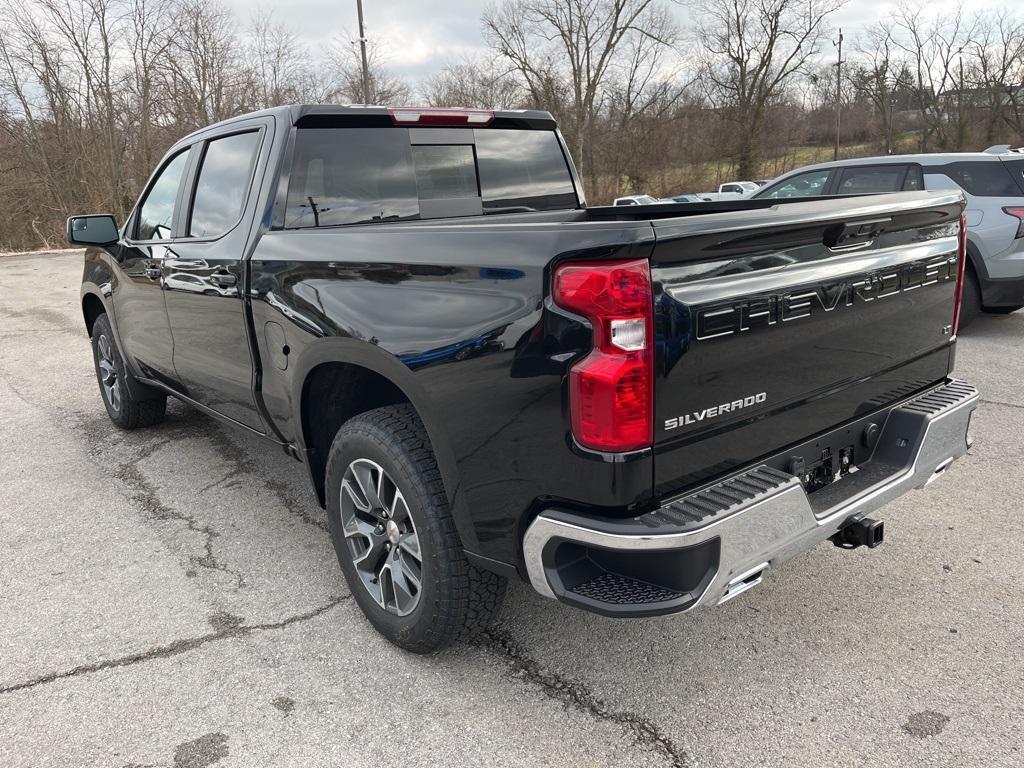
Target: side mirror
<point>95,229</point>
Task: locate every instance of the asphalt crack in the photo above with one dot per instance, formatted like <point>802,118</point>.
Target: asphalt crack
<point>578,696</point>
<point>145,497</point>
<point>1002,403</point>
<point>229,631</point>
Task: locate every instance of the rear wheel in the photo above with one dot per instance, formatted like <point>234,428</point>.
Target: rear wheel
<point>125,410</point>
<point>395,538</point>
<point>1003,310</point>
<point>970,306</point>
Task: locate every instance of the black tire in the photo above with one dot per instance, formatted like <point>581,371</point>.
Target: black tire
<point>970,306</point>
<point>1003,310</point>
<point>454,598</point>
<point>125,410</point>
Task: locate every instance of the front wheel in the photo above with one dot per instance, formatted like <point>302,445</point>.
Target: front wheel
<point>395,538</point>
<point>124,409</point>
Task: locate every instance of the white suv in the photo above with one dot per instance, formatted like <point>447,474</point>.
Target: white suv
<point>993,184</point>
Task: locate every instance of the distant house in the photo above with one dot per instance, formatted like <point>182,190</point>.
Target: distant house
<point>984,97</point>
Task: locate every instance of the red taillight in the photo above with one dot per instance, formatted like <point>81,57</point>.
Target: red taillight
<point>961,267</point>
<point>425,116</point>
<point>611,390</point>
<point>1018,212</point>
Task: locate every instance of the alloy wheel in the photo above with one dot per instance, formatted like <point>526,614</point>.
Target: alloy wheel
<point>108,372</point>
<point>381,537</point>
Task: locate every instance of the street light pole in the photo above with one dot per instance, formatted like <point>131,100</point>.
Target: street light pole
<point>839,92</point>
<point>362,50</point>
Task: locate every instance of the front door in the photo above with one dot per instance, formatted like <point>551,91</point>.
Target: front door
<point>136,290</point>
<point>203,277</point>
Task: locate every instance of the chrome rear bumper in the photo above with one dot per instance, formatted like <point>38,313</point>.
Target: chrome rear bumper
<point>741,526</point>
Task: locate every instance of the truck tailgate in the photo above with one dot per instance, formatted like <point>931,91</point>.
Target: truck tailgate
<point>778,324</point>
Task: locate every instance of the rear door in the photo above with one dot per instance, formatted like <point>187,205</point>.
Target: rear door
<point>203,275</point>
<point>775,325</point>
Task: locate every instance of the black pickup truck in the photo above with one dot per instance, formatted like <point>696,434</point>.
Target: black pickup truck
<point>638,410</point>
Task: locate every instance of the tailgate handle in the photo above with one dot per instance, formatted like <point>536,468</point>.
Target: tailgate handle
<point>854,234</point>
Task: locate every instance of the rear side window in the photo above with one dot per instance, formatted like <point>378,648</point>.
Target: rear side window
<point>874,179</point>
<point>223,184</point>
<point>981,178</point>
<point>366,175</point>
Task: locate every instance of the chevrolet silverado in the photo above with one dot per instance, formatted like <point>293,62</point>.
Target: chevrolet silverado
<point>639,410</point>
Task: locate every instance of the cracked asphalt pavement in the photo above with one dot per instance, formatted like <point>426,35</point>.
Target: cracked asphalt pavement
<point>169,597</point>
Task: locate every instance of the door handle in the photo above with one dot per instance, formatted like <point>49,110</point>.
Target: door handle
<point>223,279</point>
<point>153,273</point>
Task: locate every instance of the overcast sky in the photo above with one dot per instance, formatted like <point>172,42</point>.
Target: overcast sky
<point>421,36</point>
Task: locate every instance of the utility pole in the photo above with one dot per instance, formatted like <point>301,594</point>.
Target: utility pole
<point>839,91</point>
<point>362,50</point>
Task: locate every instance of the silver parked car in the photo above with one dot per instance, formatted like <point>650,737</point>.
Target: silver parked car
<point>992,182</point>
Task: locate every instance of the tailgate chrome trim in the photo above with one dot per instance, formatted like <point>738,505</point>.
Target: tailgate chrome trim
<point>762,516</point>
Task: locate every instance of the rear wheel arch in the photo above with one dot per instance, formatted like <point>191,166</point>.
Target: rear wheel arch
<point>334,388</point>
<point>976,261</point>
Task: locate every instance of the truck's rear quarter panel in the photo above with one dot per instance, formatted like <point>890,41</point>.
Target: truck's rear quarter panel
<point>454,314</point>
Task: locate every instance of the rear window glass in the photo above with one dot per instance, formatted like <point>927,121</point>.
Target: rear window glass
<point>523,170</point>
<point>351,176</point>
<point>1016,169</point>
<point>982,179</point>
<point>445,171</point>
<point>364,175</point>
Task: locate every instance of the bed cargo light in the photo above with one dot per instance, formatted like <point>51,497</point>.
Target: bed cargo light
<point>611,390</point>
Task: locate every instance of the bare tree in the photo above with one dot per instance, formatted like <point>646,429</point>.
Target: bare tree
<point>475,82</point>
<point>584,44</point>
<point>384,87</point>
<point>204,77</point>
<point>935,44</point>
<point>749,51</point>
<point>878,74</point>
<point>997,61</point>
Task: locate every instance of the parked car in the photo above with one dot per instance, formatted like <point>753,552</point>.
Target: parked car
<point>636,200</point>
<point>687,199</point>
<point>993,184</point>
<point>635,411</point>
<point>731,190</point>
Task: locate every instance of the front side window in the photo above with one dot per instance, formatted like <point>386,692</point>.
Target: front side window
<point>223,184</point>
<point>810,184</point>
<point>156,214</point>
